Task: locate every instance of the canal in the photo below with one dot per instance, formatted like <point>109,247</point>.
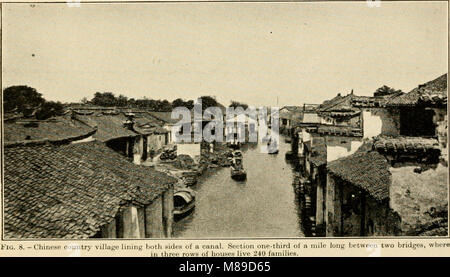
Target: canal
<point>262,206</point>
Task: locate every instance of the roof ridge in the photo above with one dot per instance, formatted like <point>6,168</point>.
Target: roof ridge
<point>338,102</point>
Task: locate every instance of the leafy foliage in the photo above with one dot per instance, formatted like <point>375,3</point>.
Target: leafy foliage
<point>21,99</point>
<point>236,104</point>
<point>108,99</point>
<point>27,100</point>
<point>385,90</point>
<point>49,109</point>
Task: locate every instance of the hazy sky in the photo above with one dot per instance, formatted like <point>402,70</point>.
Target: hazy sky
<point>250,52</point>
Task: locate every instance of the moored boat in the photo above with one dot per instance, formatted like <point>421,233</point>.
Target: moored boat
<point>184,202</point>
<point>238,174</point>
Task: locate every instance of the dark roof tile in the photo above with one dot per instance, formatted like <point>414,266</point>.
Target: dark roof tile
<point>432,93</point>
<point>366,170</point>
<point>56,128</point>
<point>70,191</point>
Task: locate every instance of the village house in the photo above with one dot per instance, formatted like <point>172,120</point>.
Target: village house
<point>340,112</point>
<point>316,151</point>
<point>115,129</point>
<point>154,136</point>
<point>423,111</point>
<point>166,121</point>
<point>61,183</point>
<point>190,147</point>
<point>288,115</point>
<point>133,133</point>
<point>383,190</point>
<point>379,190</point>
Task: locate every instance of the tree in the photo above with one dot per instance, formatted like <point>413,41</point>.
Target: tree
<point>26,100</point>
<point>181,103</point>
<point>21,99</point>
<point>385,90</point>
<point>106,99</point>
<point>209,101</point>
<point>121,101</point>
<point>84,100</point>
<point>236,104</point>
<point>178,103</point>
<point>49,109</point>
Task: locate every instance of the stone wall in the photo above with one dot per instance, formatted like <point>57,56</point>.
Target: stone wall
<point>352,210</point>
<point>380,220</point>
<point>333,207</point>
<point>417,197</point>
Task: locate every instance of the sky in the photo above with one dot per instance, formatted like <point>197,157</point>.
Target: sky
<point>262,54</point>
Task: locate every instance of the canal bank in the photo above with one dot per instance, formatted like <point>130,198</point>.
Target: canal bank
<point>264,205</point>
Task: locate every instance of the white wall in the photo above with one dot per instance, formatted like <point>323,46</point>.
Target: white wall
<point>191,149</point>
<point>311,118</point>
<point>305,136</point>
<point>348,148</point>
<point>372,124</point>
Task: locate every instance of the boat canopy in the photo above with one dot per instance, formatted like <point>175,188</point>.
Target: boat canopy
<point>187,196</point>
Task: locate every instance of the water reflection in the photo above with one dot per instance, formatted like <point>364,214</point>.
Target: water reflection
<point>262,206</point>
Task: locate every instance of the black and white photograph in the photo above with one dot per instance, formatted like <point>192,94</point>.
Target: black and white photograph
<point>224,120</point>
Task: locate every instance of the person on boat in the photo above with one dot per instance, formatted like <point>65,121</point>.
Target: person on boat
<point>237,164</point>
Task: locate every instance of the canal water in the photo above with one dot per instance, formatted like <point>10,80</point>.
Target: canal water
<point>262,206</point>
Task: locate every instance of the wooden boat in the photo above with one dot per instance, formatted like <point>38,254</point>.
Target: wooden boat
<point>189,178</point>
<point>237,154</point>
<point>183,201</point>
<point>238,174</point>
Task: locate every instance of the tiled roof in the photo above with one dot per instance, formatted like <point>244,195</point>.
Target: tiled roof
<point>110,126</point>
<point>366,170</point>
<point>146,126</point>
<point>310,118</point>
<point>432,93</point>
<point>334,130</point>
<point>385,144</point>
<point>339,106</point>
<point>293,108</point>
<point>370,102</point>
<point>166,117</point>
<point>70,191</point>
<point>56,128</point>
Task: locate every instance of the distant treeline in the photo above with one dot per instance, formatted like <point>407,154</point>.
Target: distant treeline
<point>108,99</point>
<point>29,102</point>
